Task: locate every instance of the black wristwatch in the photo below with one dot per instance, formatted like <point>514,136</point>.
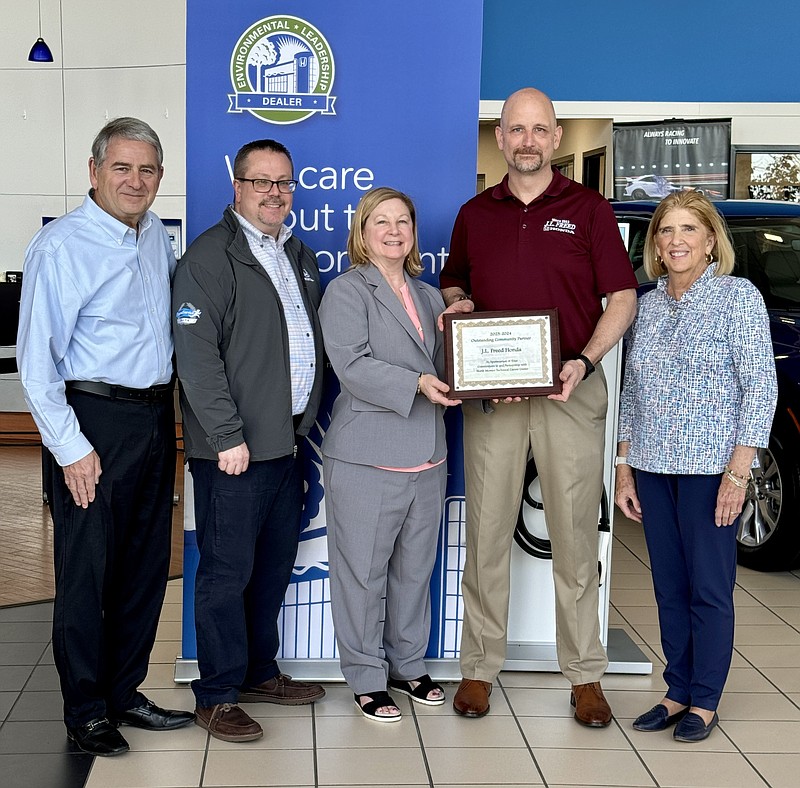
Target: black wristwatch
<point>588,364</point>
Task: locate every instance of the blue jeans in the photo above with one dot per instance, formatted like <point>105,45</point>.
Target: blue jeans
<point>247,532</point>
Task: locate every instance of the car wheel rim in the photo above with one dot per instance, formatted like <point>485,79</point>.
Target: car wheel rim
<point>762,508</point>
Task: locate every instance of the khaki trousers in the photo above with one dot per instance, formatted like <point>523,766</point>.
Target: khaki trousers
<point>567,441</point>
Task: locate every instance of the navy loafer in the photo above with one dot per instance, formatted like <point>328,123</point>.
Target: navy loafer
<point>658,718</point>
<point>692,728</point>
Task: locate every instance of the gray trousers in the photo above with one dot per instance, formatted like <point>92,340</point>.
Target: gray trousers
<point>383,529</point>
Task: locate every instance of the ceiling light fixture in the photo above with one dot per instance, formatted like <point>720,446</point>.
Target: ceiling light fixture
<point>40,52</point>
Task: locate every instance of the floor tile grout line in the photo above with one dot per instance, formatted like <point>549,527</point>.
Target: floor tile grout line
<point>759,670</point>
<point>744,755</point>
<point>617,540</point>
<point>314,744</point>
<point>19,693</point>
<point>795,627</point>
<point>522,733</point>
<point>635,749</point>
<point>633,627</point>
<point>414,717</point>
<point>205,760</point>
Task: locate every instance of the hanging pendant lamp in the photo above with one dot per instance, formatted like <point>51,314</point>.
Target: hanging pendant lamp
<point>40,52</point>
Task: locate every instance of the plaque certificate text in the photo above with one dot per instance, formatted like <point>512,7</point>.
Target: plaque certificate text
<point>493,355</point>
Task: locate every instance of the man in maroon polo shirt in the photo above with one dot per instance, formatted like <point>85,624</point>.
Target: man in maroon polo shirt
<point>535,241</point>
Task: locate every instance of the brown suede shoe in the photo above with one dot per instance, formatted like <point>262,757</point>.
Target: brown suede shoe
<point>472,698</point>
<point>284,690</point>
<point>228,722</point>
<point>591,707</point>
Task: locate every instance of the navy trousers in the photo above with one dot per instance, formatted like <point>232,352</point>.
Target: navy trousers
<point>694,571</point>
<point>112,558</point>
<point>248,528</point>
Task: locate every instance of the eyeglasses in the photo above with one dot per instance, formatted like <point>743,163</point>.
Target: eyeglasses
<point>264,185</point>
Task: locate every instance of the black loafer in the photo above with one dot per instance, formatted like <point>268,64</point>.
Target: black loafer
<point>98,737</point>
<point>658,718</point>
<point>154,718</point>
<point>692,728</point>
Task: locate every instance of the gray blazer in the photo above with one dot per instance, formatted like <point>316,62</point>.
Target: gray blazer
<point>377,354</point>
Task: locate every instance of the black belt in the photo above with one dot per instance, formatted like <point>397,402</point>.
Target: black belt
<point>153,394</point>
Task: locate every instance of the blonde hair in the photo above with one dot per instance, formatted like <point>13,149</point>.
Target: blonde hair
<point>705,212</point>
<point>356,245</point>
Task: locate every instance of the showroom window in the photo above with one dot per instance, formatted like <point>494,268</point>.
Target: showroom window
<point>767,174</point>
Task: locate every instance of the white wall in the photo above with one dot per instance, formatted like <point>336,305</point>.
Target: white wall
<point>108,61</point>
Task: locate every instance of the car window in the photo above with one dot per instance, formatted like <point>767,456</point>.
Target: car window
<point>767,253</point>
<point>637,232</point>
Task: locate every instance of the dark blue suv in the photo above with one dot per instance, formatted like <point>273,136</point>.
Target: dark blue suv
<point>766,239</point>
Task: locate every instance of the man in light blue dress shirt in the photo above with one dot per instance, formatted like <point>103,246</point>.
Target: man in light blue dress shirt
<point>94,351</point>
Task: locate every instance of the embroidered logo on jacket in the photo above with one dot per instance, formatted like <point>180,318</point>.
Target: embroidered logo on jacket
<point>187,314</point>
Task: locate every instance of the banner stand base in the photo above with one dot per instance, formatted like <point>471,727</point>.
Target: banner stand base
<point>624,656</point>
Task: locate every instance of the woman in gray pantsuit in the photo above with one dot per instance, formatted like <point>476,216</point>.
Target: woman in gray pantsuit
<point>384,455</point>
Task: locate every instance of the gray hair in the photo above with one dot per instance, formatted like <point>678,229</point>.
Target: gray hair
<point>128,129</point>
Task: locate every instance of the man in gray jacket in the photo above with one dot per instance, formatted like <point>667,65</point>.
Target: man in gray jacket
<point>249,357</point>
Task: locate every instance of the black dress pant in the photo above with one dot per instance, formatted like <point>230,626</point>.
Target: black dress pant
<point>112,559</point>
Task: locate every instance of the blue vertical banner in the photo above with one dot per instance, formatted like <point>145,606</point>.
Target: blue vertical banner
<point>363,94</point>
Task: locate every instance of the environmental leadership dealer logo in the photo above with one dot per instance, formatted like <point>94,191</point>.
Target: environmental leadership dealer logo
<point>282,71</point>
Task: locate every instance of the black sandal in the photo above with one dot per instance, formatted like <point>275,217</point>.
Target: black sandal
<point>420,693</point>
<point>370,710</point>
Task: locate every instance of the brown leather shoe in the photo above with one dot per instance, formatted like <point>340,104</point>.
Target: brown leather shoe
<point>472,698</point>
<point>591,707</point>
<point>228,722</point>
<point>284,690</point>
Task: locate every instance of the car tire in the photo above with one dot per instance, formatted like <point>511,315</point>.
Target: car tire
<point>638,194</point>
<point>768,532</point>
<point>537,546</point>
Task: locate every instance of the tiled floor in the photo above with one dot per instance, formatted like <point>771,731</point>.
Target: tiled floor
<point>529,737</point>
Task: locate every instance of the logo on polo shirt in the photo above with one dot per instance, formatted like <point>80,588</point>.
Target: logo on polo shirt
<point>559,226</point>
<point>282,71</point>
<point>187,315</point>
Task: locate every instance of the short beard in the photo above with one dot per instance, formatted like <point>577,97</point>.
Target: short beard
<point>528,164</point>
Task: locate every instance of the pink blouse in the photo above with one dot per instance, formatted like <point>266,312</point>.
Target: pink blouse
<point>408,303</point>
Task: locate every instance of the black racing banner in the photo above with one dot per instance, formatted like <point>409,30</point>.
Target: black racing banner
<point>652,160</point>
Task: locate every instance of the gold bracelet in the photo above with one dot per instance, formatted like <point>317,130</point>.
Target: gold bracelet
<point>419,383</point>
<point>736,482</point>
<point>730,470</point>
